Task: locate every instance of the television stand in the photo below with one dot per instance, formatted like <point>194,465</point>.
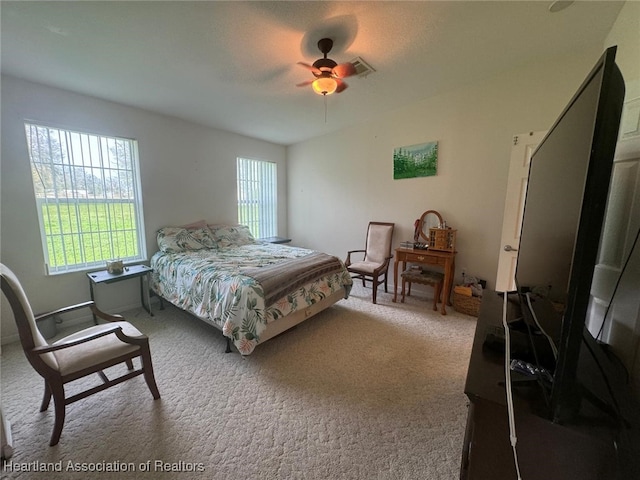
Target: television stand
<point>546,450</point>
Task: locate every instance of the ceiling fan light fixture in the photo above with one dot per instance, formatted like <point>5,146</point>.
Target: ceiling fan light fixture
<point>324,85</point>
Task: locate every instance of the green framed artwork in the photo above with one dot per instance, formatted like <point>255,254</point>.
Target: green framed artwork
<point>415,161</point>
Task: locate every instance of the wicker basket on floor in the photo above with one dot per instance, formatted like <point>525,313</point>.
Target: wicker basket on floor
<point>465,304</point>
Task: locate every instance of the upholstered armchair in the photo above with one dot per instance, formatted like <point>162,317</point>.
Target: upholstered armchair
<point>377,256</point>
<point>84,353</point>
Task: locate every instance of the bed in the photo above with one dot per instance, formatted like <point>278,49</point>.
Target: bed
<point>249,289</point>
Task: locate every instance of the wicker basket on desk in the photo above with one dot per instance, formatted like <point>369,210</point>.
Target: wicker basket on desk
<point>467,305</point>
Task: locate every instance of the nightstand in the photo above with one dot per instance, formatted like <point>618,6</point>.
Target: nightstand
<point>276,240</point>
<point>132,271</point>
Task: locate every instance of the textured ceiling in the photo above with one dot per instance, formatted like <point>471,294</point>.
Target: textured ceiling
<point>232,65</point>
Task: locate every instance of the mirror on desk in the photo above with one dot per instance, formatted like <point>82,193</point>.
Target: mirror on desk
<point>429,219</point>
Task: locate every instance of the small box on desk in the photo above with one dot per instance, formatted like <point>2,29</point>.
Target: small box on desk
<point>443,239</point>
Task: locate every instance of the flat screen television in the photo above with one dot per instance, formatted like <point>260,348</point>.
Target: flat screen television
<point>564,210</point>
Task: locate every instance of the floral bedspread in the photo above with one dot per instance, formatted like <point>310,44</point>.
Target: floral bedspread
<point>210,284</point>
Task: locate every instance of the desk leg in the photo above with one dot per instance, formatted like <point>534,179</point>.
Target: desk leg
<point>95,319</point>
<point>449,270</point>
<point>395,279</point>
<point>451,274</point>
<point>146,305</point>
<point>443,310</point>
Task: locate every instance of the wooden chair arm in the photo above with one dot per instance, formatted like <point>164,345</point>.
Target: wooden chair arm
<point>117,329</point>
<point>384,265</point>
<point>89,304</point>
<point>347,262</point>
<point>140,340</point>
<point>60,311</point>
<point>78,341</point>
<point>105,316</point>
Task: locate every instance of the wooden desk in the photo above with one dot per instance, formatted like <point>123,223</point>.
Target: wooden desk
<point>446,260</point>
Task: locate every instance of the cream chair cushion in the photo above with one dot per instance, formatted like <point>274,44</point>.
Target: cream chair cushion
<point>78,357</point>
<point>364,266</point>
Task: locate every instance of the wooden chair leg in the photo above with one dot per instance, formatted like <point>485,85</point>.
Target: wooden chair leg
<point>436,296</point>
<point>375,289</point>
<point>46,398</point>
<point>129,364</point>
<point>147,366</point>
<point>404,282</point>
<point>57,391</point>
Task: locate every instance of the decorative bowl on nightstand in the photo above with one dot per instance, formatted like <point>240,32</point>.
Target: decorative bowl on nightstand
<point>115,267</point>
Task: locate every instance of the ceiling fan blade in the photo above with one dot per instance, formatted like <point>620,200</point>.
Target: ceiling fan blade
<point>304,84</point>
<point>342,86</point>
<point>315,70</point>
<point>344,70</point>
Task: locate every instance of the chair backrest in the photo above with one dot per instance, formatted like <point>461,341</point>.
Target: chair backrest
<point>30,336</point>
<point>379,241</point>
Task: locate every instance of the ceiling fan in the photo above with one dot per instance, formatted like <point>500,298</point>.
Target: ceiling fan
<point>328,73</point>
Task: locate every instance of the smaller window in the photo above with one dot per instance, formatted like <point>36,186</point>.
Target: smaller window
<point>257,197</point>
<point>87,190</point>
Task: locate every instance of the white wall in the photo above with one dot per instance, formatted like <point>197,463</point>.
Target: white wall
<point>187,171</point>
<point>350,172</point>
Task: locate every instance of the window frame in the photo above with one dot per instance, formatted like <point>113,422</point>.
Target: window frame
<point>96,166</point>
<point>264,223</point>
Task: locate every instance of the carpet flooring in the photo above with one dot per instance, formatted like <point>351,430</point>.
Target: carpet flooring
<point>360,391</point>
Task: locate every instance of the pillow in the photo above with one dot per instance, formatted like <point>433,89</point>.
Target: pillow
<point>179,239</point>
<point>204,236</point>
<point>231,235</point>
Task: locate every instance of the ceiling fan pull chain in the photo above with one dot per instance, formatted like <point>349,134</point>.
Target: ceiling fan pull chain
<point>325,108</point>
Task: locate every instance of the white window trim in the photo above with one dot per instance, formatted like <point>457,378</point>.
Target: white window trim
<point>82,156</point>
<point>263,223</point>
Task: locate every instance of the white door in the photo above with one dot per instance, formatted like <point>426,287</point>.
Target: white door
<point>622,221</point>
<point>521,151</point>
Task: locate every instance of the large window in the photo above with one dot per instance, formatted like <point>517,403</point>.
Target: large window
<point>257,197</point>
<point>87,190</point>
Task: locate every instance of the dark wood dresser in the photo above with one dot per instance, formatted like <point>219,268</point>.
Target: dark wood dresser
<point>546,450</point>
